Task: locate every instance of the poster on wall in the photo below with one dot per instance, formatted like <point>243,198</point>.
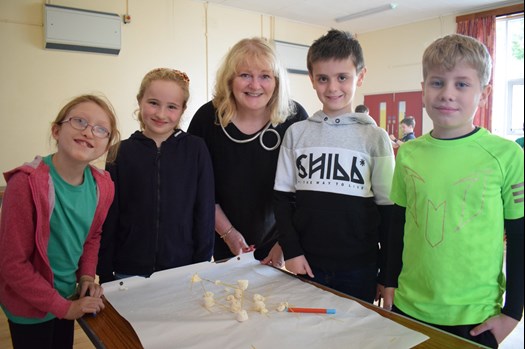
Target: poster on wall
<point>292,56</point>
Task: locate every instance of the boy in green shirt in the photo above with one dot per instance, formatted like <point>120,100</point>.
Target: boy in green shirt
<point>457,190</point>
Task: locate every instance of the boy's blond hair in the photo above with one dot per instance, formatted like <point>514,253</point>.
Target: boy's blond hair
<point>449,50</point>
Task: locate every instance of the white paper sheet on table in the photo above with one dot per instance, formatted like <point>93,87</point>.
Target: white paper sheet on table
<point>166,310</point>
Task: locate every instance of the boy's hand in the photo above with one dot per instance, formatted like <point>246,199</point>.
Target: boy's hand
<point>299,265</point>
<point>388,297</point>
<point>275,257</point>
<point>394,141</point>
<point>380,290</point>
<point>500,325</point>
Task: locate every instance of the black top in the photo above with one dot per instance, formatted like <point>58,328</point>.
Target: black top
<point>244,175</point>
<point>163,214</point>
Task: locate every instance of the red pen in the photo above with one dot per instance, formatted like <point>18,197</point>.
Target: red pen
<point>311,310</point>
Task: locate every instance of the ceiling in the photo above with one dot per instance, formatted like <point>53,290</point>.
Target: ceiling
<point>324,12</point>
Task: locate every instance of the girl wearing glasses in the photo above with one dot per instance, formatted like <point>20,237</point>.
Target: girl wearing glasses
<point>52,215</point>
<point>163,213</point>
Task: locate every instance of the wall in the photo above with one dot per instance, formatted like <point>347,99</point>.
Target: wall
<point>393,57</point>
<point>222,34</point>
<point>183,34</point>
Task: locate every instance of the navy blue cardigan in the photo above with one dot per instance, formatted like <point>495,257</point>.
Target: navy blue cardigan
<point>163,214</point>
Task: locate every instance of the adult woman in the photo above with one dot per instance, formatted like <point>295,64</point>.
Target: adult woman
<point>243,126</point>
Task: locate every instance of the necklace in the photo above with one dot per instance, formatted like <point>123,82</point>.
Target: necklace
<point>259,134</point>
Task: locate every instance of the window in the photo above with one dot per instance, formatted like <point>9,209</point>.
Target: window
<point>508,112</point>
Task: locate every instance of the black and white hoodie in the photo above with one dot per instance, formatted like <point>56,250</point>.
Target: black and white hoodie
<point>332,188</point>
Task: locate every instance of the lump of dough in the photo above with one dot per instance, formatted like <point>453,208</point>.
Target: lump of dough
<point>258,305</point>
<point>242,316</point>
<point>282,306</point>
<point>235,306</point>
<point>258,297</point>
<point>209,301</point>
<point>243,284</point>
<point>238,293</point>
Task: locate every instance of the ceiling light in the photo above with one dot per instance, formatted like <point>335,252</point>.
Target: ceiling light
<point>368,12</point>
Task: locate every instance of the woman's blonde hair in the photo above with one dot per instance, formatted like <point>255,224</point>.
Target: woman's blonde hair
<point>253,51</point>
<point>166,74</point>
<point>105,104</point>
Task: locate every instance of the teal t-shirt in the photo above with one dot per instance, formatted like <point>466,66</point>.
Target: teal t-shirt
<point>520,142</point>
<point>70,223</point>
<point>457,194</point>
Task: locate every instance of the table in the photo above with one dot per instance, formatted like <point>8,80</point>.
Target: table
<point>108,329</point>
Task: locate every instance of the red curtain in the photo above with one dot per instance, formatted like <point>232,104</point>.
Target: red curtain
<point>483,29</point>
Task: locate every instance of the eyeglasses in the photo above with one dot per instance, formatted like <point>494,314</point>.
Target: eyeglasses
<point>81,124</point>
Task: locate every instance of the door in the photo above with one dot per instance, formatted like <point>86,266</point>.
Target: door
<point>389,109</point>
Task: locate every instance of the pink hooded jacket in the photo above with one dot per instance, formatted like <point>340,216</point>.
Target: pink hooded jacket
<point>26,278</point>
